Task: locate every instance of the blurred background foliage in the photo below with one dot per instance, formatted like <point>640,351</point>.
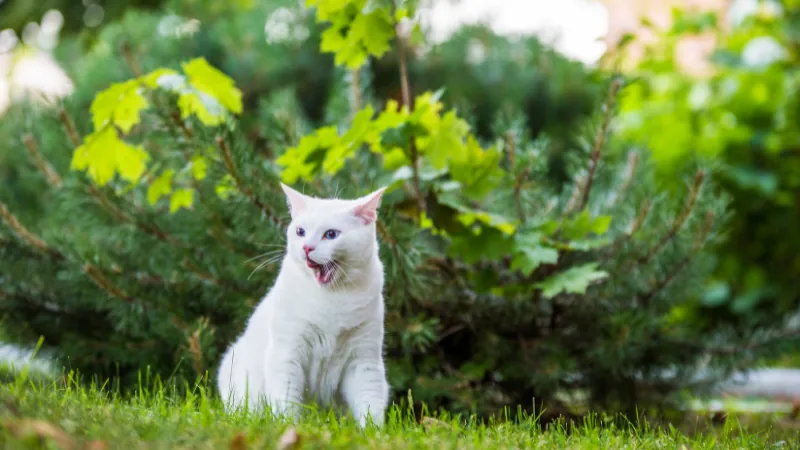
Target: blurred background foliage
<point>742,115</point>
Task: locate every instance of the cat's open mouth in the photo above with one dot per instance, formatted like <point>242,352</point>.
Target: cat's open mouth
<point>323,272</point>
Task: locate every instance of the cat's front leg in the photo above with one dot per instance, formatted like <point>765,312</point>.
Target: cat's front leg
<point>283,384</point>
<point>366,390</point>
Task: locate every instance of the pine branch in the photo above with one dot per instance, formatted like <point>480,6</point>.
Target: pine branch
<point>520,179</point>
<point>698,245</point>
<point>630,171</point>
<point>405,92</point>
<point>679,221</point>
<point>355,90</point>
<point>599,140</point>
<point>228,159</point>
<point>127,54</point>
<point>644,211</point>
<point>41,163</point>
<point>97,276</point>
<point>31,239</point>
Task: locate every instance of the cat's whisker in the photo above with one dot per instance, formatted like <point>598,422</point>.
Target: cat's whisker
<point>264,264</point>
<point>344,275</point>
<point>271,252</point>
<point>266,245</point>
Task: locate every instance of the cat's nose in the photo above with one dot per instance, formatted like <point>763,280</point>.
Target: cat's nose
<point>308,249</point>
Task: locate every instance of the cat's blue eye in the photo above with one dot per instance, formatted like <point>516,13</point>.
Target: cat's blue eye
<point>331,234</point>
<point>301,232</point>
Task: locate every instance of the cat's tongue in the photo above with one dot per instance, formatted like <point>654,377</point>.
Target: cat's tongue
<point>323,272</point>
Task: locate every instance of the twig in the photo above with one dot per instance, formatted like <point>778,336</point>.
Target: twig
<point>31,239</point>
<point>127,53</point>
<point>644,211</point>
<point>659,286</point>
<point>96,275</point>
<point>41,163</point>
<point>521,177</point>
<point>228,159</point>
<point>69,127</point>
<point>355,86</point>
<point>599,140</point>
<point>679,221</point>
<point>405,92</point>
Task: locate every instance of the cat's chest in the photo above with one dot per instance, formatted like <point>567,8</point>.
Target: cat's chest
<point>333,344</point>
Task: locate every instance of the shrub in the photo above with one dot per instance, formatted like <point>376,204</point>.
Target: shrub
<point>160,218</point>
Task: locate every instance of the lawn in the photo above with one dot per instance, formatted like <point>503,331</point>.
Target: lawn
<point>67,415</point>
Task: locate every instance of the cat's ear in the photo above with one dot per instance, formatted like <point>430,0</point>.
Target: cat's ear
<point>297,201</point>
<point>367,209</point>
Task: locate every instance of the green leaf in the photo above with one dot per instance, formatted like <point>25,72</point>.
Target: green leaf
<point>226,187</point>
<point>199,167</point>
<point>181,198</point>
<point>529,253</point>
<point>477,170</point>
<point>529,259</point>
<point>151,79</point>
<point>357,30</point>
<point>190,103</point>
<point>103,154</point>
<point>160,187</point>
<point>207,79</point>
<point>574,280</point>
<point>445,136</point>
<point>583,224</point>
<point>119,105</point>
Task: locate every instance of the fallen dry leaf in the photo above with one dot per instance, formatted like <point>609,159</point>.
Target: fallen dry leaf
<point>289,440</point>
<point>239,442</point>
<point>26,428</point>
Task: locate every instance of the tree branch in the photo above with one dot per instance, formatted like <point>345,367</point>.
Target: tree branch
<point>679,221</point>
<point>698,245</point>
<point>228,159</point>
<point>405,92</point>
<point>41,163</point>
<point>31,239</point>
<point>97,276</point>
<point>599,140</point>
<point>520,178</point>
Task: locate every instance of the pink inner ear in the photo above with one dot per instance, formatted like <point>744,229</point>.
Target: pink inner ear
<point>367,210</point>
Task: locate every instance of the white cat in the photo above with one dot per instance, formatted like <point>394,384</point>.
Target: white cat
<point>318,333</point>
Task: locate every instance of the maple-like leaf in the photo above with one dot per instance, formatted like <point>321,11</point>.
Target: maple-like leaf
<point>119,105</point>
<point>209,80</point>
<point>190,103</point>
<point>530,253</point>
<point>181,198</point>
<point>199,167</point>
<point>353,37</point>
<point>160,187</point>
<point>574,280</point>
<point>103,154</point>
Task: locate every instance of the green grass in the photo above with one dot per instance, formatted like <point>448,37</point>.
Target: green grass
<point>64,414</point>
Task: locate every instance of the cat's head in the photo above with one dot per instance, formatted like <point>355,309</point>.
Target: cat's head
<point>333,239</point>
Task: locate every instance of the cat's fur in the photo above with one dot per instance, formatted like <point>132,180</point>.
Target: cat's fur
<point>317,335</point>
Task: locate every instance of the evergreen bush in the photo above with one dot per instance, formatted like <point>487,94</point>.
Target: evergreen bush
<point>157,221</point>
